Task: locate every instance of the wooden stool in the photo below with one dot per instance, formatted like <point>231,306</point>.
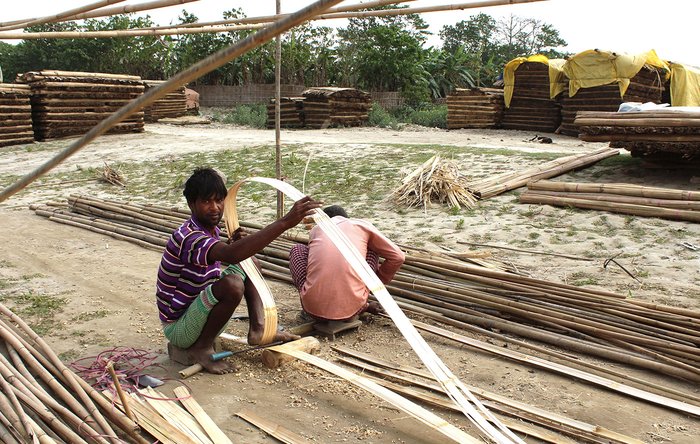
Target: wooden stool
<point>331,328</point>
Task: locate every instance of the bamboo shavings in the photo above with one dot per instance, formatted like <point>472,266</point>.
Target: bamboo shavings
<point>436,180</point>
<point>470,406</point>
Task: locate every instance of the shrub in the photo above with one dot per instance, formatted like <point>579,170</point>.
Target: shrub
<point>378,116</point>
<point>245,115</point>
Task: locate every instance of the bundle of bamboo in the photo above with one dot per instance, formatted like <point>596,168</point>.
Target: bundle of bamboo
<point>617,198</point>
<point>42,399</point>
<point>174,104</point>
<point>71,103</point>
<point>15,115</point>
<point>436,180</point>
<point>646,86</point>
<point>291,112</point>
<point>489,302</point>
<point>531,107</point>
<point>475,108</point>
<point>327,106</point>
<point>509,181</point>
<point>667,132</point>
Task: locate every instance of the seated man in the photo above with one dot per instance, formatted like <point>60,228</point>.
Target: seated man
<point>194,297</point>
<point>330,289</point>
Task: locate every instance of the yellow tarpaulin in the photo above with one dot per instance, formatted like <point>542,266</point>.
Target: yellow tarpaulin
<point>557,83</point>
<point>685,85</point>
<point>595,68</point>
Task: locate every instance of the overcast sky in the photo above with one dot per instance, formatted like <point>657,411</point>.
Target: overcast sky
<point>630,26</point>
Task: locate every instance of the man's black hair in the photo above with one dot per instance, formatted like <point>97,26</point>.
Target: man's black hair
<point>203,184</point>
<point>335,210</point>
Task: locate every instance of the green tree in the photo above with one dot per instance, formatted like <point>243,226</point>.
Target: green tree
<point>447,70</point>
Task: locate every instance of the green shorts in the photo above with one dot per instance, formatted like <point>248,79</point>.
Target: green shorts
<point>186,329</point>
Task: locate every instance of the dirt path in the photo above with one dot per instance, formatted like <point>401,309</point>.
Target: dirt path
<point>105,289</point>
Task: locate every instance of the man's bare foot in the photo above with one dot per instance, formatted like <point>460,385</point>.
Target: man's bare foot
<point>374,308</point>
<point>255,337</point>
<point>203,357</point>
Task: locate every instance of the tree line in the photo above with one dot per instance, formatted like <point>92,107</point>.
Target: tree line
<point>373,54</point>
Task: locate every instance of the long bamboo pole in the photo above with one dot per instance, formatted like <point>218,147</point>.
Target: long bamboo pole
<point>124,33</point>
<point>200,68</point>
<point>17,24</point>
<point>625,189</point>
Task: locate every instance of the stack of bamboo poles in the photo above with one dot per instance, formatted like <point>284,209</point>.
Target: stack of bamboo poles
<point>291,112</point>
<point>436,180</point>
<point>71,103</point>
<point>509,181</point>
<point>475,108</point>
<point>326,106</point>
<point>15,115</point>
<point>646,86</point>
<point>531,108</point>
<point>40,397</point>
<point>622,198</point>
<point>470,297</point>
<point>174,104</point>
<point>667,131</point>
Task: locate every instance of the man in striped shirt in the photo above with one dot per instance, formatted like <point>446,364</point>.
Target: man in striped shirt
<point>195,298</point>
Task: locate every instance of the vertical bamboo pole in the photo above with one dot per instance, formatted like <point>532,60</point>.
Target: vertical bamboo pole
<point>278,105</point>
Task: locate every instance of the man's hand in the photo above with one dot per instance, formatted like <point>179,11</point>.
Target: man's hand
<point>237,235</point>
<point>302,208</point>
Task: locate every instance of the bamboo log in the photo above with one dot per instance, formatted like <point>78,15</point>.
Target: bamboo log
<point>616,188</point>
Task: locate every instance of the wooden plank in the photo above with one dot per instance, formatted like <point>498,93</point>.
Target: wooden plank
<point>204,420</point>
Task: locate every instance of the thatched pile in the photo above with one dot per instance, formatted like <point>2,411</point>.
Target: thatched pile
<point>15,115</point>
<point>475,108</point>
<point>174,104</point>
<point>71,103</point>
<point>326,106</point>
<point>531,108</point>
<point>646,86</point>
<point>665,133</point>
<point>291,112</point>
<point>436,180</point>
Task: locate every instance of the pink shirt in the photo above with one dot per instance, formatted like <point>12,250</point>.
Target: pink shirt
<point>332,289</point>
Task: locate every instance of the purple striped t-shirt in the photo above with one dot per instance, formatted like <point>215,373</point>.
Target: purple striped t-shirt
<point>185,270</point>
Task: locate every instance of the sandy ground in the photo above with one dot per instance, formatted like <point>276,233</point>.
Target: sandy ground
<point>96,274</point>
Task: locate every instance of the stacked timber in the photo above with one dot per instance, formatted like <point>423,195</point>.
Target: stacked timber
<point>531,108</point>
<point>622,198</point>
<point>665,133</point>
<point>15,115</point>
<point>291,112</point>
<point>646,86</point>
<point>174,104</point>
<point>493,186</point>
<point>71,103</point>
<point>326,106</point>
<point>475,108</point>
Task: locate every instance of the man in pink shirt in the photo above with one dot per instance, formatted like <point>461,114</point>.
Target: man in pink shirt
<point>330,289</point>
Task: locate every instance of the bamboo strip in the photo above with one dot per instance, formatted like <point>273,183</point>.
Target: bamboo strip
<point>282,434</point>
<point>470,405</point>
<point>192,406</point>
<point>175,415</point>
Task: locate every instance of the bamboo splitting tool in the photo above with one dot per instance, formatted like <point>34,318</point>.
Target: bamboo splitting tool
<point>196,368</point>
<point>472,408</point>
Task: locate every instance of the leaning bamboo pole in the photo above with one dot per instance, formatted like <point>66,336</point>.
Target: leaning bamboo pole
<point>17,24</point>
<point>200,68</point>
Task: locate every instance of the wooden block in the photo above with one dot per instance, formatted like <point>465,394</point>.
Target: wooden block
<point>274,357</point>
<point>332,328</point>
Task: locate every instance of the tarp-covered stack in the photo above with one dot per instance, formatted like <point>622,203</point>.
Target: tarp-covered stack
<point>327,106</point>
<point>71,103</point>
<point>531,86</point>
<point>291,112</point>
<point>174,104</point>
<point>601,81</point>
<point>475,108</point>
<point>668,133</point>
<point>15,115</point>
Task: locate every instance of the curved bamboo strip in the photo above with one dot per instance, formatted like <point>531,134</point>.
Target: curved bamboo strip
<point>468,403</point>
